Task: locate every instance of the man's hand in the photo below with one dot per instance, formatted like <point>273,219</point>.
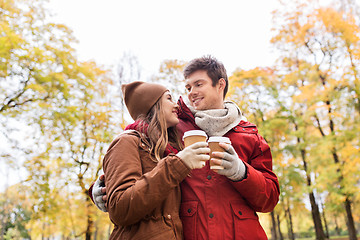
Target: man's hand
<point>99,193</point>
<point>234,168</point>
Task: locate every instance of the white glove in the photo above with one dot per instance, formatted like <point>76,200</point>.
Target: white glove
<point>97,193</point>
<point>234,167</point>
<point>195,155</point>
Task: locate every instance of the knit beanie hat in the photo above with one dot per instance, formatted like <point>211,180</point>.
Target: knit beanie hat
<point>141,96</point>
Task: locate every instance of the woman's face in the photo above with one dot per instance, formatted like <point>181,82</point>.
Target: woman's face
<point>170,109</point>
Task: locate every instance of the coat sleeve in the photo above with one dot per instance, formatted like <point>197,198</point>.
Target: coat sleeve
<point>260,187</point>
<point>131,194</point>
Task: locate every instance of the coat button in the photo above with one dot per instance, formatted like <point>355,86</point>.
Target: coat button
<point>208,177</point>
<point>168,216</point>
<point>240,213</point>
<point>243,129</point>
<point>211,215</point>
<point>189,210</point>
<point>254,130</point>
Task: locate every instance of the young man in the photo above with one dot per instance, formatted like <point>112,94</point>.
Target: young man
<point>222,204</point>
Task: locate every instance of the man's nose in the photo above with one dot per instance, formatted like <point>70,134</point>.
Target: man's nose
<point>191,92</point>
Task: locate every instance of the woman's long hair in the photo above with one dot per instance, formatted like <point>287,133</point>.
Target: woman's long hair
<point>158,135</point>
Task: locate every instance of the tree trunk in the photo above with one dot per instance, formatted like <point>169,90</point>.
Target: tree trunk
<point>273,226</point>
<point>290,224</point>
<point>88,229</point>
<point>350,220</point>
<point>320,235</point>
<point>327,235</point>
<point>314,207</point>
<point>96,230</point>
<point>42,234</point>
<point>337,229</point>
<point>278,226</point>
<point>319,232</point>
<point>90,222</point>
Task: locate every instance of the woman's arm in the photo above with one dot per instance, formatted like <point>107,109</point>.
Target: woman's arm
<point>131,194</point>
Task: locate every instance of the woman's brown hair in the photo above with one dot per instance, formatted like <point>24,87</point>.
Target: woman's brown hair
<point>158,135</point>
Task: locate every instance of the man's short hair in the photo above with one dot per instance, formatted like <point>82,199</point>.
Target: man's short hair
<point>214,69</point>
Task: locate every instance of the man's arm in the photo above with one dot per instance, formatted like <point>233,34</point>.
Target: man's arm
<point>260,187</point>
<point>256,182</point>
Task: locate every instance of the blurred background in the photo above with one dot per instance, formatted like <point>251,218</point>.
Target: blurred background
<point>293,69</point>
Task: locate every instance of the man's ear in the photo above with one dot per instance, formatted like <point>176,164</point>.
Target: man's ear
<point>222,83</point>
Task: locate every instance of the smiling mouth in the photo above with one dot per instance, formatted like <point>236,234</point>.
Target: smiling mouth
<point>196,101</point>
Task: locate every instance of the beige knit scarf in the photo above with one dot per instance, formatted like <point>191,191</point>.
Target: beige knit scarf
<point>217,122</point>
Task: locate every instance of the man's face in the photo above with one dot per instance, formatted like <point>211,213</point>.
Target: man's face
<point>201,94</point>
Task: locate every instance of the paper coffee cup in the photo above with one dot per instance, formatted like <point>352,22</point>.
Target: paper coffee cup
<point>194,136</point>
<point>214,147</point>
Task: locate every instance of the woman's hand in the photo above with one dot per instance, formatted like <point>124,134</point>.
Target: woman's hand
<point>195,155</point>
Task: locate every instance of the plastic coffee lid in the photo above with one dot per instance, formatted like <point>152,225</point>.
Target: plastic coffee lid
<point>219,139</point>
<point>194,133</point>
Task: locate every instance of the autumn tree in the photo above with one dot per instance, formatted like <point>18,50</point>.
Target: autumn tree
<point>15,212</point>
<point>171,75</point>
<point>128,69</point>
<point>257,93</point>
<point>67,105</point>
<point>35,67</point>
<point>321,44</point>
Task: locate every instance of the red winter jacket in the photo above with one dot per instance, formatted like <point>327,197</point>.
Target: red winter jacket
<point>214,207</point>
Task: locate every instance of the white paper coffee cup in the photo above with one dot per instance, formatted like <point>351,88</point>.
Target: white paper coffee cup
<point>193,136</point>
<point>214,147</point>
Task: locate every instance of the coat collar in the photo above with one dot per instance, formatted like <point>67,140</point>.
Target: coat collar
<point>184,113</point>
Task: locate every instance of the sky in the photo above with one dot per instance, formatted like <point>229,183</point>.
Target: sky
<point>236,32</point>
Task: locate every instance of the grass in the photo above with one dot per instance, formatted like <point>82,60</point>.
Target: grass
<point>332,238</point>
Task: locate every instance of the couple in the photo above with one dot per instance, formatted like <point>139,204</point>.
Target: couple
<point>146,165</point>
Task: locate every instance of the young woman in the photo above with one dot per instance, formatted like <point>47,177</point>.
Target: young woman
<point>143,167</point>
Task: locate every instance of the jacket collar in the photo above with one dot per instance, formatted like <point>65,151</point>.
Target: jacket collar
<point>138,125</point>
<point>141,127</point>
<point>184,112</point>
